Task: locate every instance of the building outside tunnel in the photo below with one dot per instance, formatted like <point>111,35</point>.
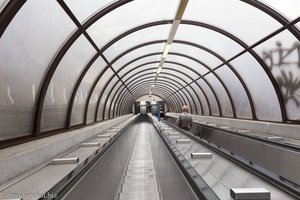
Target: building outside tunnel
<point>70,70</point>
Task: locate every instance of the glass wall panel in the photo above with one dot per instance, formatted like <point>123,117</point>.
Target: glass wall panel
<point>264,97</point>
<point>120,92</point>
<point>164,71</point>
<point>142,70</point>
<point>210,39</point>
<point>238,94</point>
<point>83,90</point>
<point>202,99</point>
<point>155,48</point>
<point>138,53</point>
<point>168,77</point>
<point>129,16</point>
<point>137,63</point>
<point>169,86</point>
<point>221,94</point>
<point>288,8</point>
<point>199,54</point>
<point>102,105</point>
<point>96,95</point>
<point>195,100</point>
<point>132,83</point>
<point>211,98</point>
<point>111,105</point>
<point>84,9</point>
<point>188,62</point>
<point>180,68</point>
<point>282,55</point>
<point>236,17</point>
<point>62,84</point>
<point>184,95</point>
<point>136,38</point>
<point>26,48</point>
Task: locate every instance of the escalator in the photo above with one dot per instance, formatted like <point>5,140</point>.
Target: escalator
<point>137,166</point>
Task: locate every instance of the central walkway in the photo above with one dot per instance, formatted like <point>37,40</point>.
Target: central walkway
<point>140,181</point>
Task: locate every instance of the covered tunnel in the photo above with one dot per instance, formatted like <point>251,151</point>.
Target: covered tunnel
<point>68,65</point>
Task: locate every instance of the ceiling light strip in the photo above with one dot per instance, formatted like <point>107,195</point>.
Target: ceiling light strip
<point>175,25</point>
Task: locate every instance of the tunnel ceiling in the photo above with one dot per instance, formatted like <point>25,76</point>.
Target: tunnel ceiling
<point>71,63</point>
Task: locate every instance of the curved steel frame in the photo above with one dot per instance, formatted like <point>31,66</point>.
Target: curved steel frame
<point>170,88</point>
<point>114,99</point>
<point>140,66</point>
<point>227,91</point>
<point>146,85</point>
<point>117,89</point>
<point>139,91</point>
<point>186,99</point>
<point>135,84</point>
<point>167,88</point>
<point>103,114</point>
<point>43,89</point>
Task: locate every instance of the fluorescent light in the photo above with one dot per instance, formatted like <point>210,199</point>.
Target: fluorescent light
<point>166,51</point>
<point>153,85</point>
<point>158,70</point>
<point>181,9</point>
<point>173,31</point>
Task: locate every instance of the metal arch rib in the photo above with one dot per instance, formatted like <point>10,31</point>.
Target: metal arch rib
<point>180,97</point>
<point>168,80</point>
<point>89,23</point>
<point>186,89</point>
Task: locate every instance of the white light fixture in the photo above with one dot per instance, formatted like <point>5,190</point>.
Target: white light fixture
<point>176,22</point>
<point>166,51</point>
<point>158,70</point>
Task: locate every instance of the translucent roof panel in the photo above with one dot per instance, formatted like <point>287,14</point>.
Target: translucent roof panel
<point>141,63</point>
<point>238,94</point>
<point>288,8</point>
<point>175,75</point>
<point>180,68</point>
<point>85,86</point>
<point>143,69</point>
<point>117,100</point>
<point>197,53</point>
<point>215,41</point>
<point>111,101</point>
<point>168,76</point>
<point>155,48</point>
<point>136,38</point>
<point>130,15</point>
<point>60,90</point>
<point>138,79</point>
<point>210,96</point>
<point>131,77</point>
<point>27,48</point>
<point>85,9</point>
<point>203,101</point>
<point>96,95</point>
<point>282,53</point>
<point>188,62</point>
<point>236,17</point>
<point>195,106</point>
<point>102,106</point>
<point>264,97</point>
<point>298,25</point>
<point>221,94</point>
<point>186,98</point>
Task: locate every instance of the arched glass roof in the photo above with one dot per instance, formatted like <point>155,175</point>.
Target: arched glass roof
<point>69,63</point>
